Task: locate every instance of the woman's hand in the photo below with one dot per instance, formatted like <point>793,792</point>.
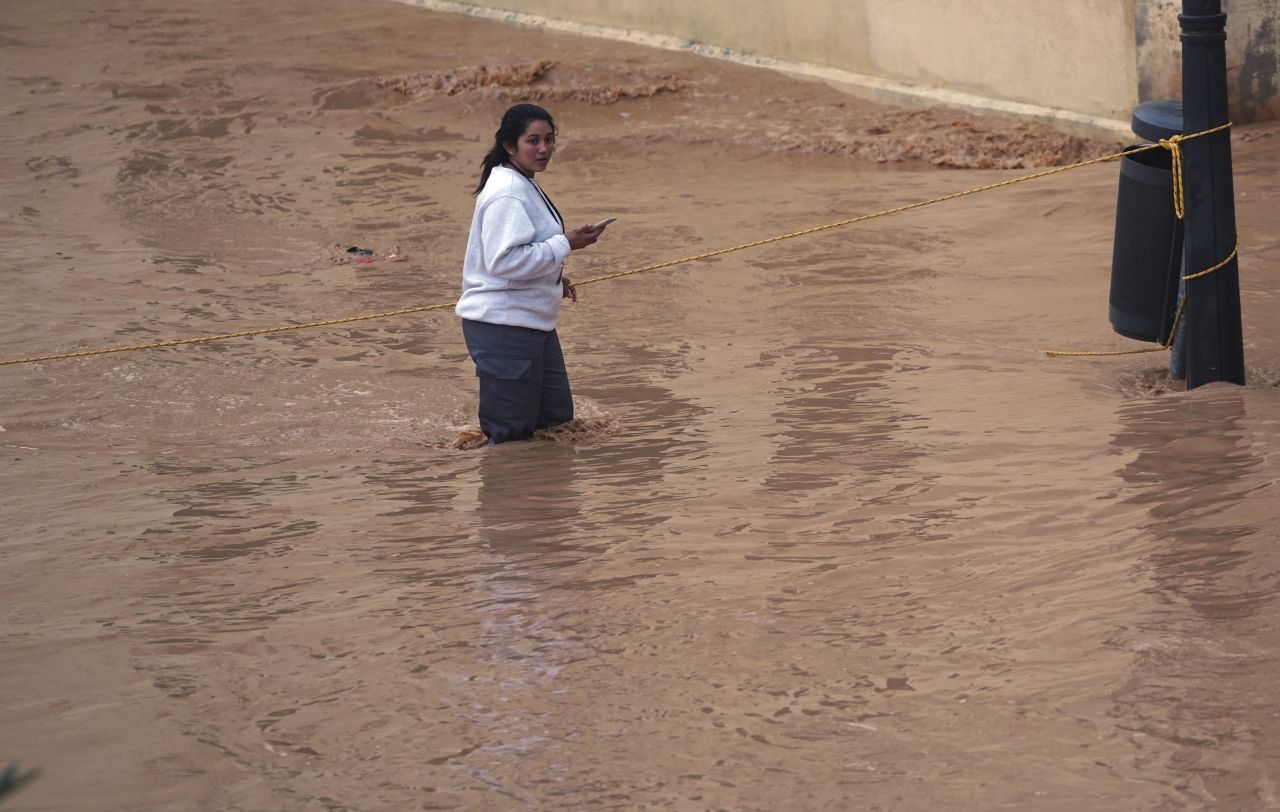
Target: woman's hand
<point>569,291</point>
<point>583,236</point>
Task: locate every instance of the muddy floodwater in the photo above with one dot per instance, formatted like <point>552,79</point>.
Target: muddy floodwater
<point>834,533</point>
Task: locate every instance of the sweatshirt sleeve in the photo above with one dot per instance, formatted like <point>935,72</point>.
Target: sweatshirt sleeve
<point>506,235</point>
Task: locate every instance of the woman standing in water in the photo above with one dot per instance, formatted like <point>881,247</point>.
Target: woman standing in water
<point>513,283</point>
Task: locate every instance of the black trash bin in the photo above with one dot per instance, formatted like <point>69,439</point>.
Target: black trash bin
<point>1146,258</point>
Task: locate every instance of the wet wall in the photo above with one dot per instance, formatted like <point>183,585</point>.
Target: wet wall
<point>1253,55</point>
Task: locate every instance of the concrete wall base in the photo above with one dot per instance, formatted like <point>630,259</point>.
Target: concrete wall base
<point>1149,66</point>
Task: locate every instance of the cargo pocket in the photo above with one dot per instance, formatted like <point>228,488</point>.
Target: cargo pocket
<point>503,369</point>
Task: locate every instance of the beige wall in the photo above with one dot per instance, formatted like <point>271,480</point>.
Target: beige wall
<point>1083,62</point>
<point>1070,55</point>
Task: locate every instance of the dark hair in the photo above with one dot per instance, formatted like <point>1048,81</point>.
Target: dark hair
<point>514,122</point>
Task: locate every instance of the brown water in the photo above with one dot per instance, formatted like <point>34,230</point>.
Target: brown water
<point>838,535</point>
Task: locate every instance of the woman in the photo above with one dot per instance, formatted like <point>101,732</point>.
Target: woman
<point>513,282</point>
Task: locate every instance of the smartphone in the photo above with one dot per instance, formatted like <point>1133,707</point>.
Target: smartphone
<point>606,221</point>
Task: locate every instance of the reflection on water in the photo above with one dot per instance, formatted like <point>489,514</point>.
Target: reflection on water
<point>1197,462</point>
<point>1206,664</point>
<point>526,503</point>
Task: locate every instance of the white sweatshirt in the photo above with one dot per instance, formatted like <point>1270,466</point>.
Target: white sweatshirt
<point>515,254</point>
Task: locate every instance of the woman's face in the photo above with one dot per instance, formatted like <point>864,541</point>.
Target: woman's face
<point>532,151</point>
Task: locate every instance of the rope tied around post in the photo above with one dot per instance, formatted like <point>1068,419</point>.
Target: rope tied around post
<point>1234,251</point>
<point>1174,145</point>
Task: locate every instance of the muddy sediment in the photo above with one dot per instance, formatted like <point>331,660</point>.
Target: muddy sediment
<point>830,532</point>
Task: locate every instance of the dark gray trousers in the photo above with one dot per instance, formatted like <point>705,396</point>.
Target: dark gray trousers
<point>524,385</point>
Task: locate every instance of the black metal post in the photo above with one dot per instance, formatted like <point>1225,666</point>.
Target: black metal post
<point>1215,342</point>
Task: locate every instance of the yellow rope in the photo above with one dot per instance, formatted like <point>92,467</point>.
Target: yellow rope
<point>862,218</point>
<point>243,334</point>
<point>1171,144</point>
<point>1174,144</point>
<point>1173,331</point>
<point>1220,265</point>
<point>1175,155</point>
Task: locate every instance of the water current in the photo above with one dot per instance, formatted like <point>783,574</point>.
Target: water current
<point>836,533</point>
